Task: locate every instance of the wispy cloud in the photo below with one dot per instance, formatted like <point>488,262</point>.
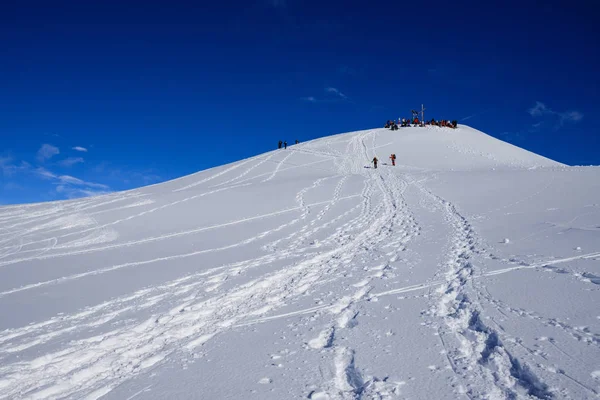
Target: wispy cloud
<point>477,114</point>
<point>69,162</point>
<point>71,180</point>
<point>571,116</point>
<point>547,119</point>
<point>336,92</point>
<point>79,148</point>
<point>46,152</point>
<point>6,166</point>
<point>9,168</point>
<point>23,175</point>
<point>540,109</point>
<point>44,173</point>
<point>331,95</point>
<point>72,186</point>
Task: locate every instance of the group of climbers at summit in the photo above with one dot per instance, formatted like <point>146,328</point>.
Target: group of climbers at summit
<point>443,123</point>
<point>392,125</point>
<point>415,121</point>
<point>406,122</point>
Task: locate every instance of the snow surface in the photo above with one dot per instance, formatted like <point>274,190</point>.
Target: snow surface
<point>469,270</point>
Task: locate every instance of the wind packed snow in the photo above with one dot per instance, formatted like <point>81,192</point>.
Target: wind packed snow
<point>470,270</point>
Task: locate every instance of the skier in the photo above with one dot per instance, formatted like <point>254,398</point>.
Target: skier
<point>280,143</point>
<point>393,158</point>
<point>285,145</point>
<point>297,141</point>
<point>375,162</point>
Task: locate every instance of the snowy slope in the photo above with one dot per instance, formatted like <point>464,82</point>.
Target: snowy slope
<point>469,270</point>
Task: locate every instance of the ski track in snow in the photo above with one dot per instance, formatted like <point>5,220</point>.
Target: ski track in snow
<point>348,382</point>
<point>99,363</point>
<point>470,344</point>
<point>91,352</point>
<point>246,172</point>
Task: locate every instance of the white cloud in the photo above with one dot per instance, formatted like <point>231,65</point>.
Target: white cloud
<point>66,185</point>
<point>7,167</point>
<point>69,162</point>
<point>71,184</point>
<point>46,152</point>
<point>539,109</point>
<point>71,180</point>
<point>571,116</point>
<point>336,92</point>
<point>44,173</point>
<point>79,148</point>
<point>66,179</point>
<point>477,114</point>
<point>335,95</point>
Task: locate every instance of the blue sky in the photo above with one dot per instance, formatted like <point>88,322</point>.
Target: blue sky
<point>98,96</point>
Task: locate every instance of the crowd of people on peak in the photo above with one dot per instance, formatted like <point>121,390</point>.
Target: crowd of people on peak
<point>406,122</point>
<point>391,124</point>
<point>443,123</point>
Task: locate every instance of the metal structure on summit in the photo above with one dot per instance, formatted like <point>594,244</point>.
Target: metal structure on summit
<point>415,114</point>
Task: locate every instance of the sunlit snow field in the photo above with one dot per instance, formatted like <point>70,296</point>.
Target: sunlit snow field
<point>471,269</point>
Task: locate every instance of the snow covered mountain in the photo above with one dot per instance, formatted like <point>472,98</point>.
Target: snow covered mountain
<point>471,269</point>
